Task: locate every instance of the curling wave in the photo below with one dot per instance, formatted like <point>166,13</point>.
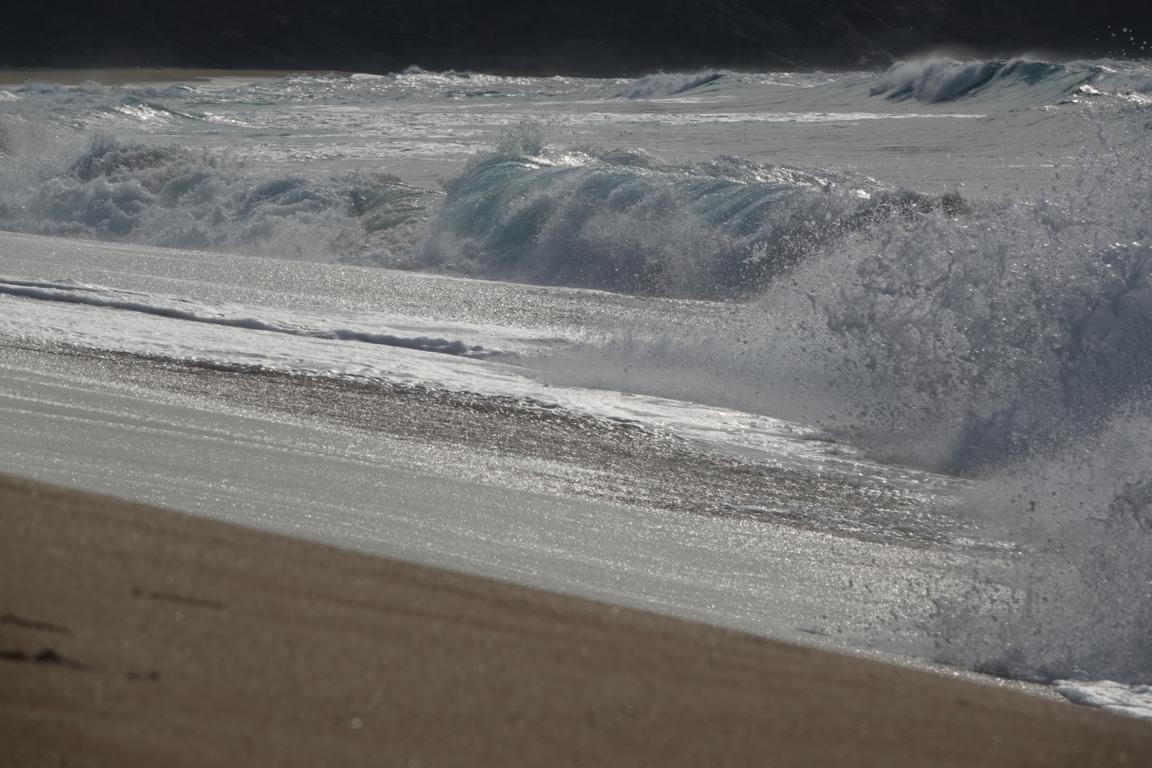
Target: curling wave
<point>662,84</point>
<point>625,221</point>
<point>942,79</point>
<point>1021,81</point>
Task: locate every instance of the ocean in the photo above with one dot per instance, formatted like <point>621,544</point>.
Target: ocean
<point>858,359</point>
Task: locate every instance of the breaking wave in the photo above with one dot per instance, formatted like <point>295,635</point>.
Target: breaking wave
<point>1011,344</point>
<point>621,220</point>
<point>105,107</point>
<point>960,342</point>
<point>176,197</point>
<point>941,79</point>
<point>625,221</point>
<point>1014,345</point>
<point>661,84</point>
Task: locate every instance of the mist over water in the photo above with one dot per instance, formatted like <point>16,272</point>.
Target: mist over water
<point>1005,337</point>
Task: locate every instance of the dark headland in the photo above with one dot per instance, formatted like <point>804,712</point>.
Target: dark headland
<point>592,37</point>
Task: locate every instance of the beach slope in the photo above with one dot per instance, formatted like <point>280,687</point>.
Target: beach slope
<point>133,636</point>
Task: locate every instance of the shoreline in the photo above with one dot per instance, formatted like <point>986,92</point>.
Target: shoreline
<point>666,472</point>
<point>133,635</point>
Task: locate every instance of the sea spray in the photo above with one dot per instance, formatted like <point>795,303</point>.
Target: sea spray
<point>1017,325</point>
<point>1011,343</point>
<point>1075,599</point>
<point>1014,344</point>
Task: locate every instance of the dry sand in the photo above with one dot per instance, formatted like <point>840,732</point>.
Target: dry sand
<point>132,636</point>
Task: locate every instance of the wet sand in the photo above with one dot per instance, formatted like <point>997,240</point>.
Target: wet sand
<point>135,636</point>
<point>601,459</point>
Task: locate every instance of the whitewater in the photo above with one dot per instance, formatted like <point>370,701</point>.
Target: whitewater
<point>856,359</point>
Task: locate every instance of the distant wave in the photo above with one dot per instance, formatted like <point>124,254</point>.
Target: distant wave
<point>660,84</point>
<point>144,109</point>
<point>937,80</point>
<point>1025,82</point>
<point>96,105</point>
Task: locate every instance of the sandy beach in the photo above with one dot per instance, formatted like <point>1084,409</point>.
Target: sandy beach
<point>133,636</point>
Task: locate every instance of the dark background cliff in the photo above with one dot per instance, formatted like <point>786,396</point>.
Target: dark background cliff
<point>595,37</point>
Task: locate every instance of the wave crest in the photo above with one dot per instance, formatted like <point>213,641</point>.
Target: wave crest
<point>663,84</point>
<point>625,222</point>
<point>936,80</point>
